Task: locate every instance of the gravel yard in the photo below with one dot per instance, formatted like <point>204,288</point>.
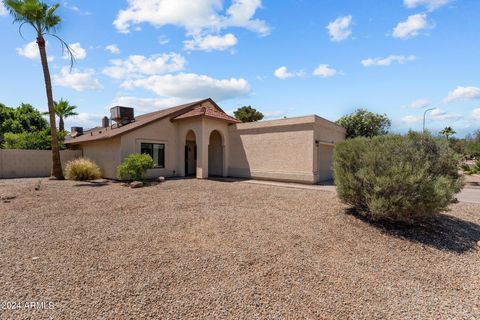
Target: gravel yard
<point>208,249</point>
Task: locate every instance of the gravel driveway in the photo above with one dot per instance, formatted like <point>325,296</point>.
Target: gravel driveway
<point>206,249</point>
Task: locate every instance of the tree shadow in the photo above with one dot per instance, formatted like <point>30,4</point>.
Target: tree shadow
<point>94,184</point>
<point>443,232</point>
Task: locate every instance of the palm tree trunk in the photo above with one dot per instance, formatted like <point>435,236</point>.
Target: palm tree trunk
<point>56,172</point>
<point>61,124</point>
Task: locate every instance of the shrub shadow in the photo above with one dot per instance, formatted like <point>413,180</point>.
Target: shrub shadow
<point>443,232</point>
<point>94,184</point>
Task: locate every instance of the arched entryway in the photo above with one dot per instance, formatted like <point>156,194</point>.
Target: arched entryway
<point>215,154</point>
<point>190,154</point>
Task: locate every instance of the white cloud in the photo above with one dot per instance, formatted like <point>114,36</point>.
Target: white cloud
<point>411,27</point>
<point>113,49</point>
<point>430,4</point>
<point>441,115</point>
<point>84,119</point>
<point>77,80</point>
<point>282,73</point>
<point>418,104</point>
<point>138,65</point>
<point>385,62</point>
<point>163,39</point>
<point>79,53</point>
<point>144,105</point>
<point>411,119</point>
<point>195,16</point>
<point>340,29</point>
<point>30,50</point>
<point>3,10</point>
<point>463,93</point>
<point>211,42</point>
<point>476,114</point>
<point>191,86</point>
<point>325,71</point>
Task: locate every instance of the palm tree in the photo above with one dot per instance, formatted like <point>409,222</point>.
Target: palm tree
<point>447,132</point>
<point>63,110</point>
<point>42,18</point>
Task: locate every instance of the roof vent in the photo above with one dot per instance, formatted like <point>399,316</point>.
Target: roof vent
<point>122,115</point>
<point>105,122</point>
<point>76,131</point>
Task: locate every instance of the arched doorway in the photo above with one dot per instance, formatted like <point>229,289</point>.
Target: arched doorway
<point>190,154</point>
<point>215,154</point>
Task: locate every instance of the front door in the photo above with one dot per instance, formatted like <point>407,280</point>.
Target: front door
<point>190,158</point>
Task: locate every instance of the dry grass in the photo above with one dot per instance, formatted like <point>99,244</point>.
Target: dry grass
<point>207,249</point>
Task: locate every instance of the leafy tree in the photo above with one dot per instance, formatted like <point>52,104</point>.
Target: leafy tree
<point>32,140</point>
<point>63,110</point>
<point>363,123</point>
<point>248,114</point>
<point>44,21</point>
<point>447,132</point>
<point>25,118</point>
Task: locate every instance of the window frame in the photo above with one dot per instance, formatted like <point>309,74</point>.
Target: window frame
<point>152,143</point>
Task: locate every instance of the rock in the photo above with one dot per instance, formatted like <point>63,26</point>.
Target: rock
<point>136,184</point>
<point>478,244</point>
<point>161,179</point>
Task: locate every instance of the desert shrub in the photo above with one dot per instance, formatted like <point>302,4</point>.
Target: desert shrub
<point>472,150</point>
<point>475,169</point>
<point>82,169</point>
<point>398,178</point>
<point>134,167</point>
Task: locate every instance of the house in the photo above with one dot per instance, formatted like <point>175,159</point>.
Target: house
<point>200,139</point>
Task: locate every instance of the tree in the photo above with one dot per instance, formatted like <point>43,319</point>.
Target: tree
<point>447,132</point>
<point>248,114</point>
<point>44,21</point>
<point>25,118</point>
<point>63,110</point>
<point>363,123</point>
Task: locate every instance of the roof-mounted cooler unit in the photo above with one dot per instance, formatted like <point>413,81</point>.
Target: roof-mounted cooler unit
<point>122,115</point>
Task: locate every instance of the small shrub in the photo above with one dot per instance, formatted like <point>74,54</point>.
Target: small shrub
<point>81,170</point>
<point>475,169</point>
<point>397,178</point>
<point>134,167</point>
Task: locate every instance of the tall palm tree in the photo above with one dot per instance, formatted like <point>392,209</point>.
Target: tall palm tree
<point>447,132</point>
<point>42,18</point>
<point>63,110</point>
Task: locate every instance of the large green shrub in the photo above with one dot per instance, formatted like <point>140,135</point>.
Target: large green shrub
<point>81,170</point>
<point>134,167</point>
<point>36,140</point>
<point>398,178</point>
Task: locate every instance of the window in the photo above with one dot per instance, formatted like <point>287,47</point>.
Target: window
<point>156,151</point>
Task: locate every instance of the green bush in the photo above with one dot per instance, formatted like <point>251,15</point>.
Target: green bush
<point>134,167</point>
<point>472,150</point>
<point>36,140</point>
<point>397,178</point>
<point>81,170</point>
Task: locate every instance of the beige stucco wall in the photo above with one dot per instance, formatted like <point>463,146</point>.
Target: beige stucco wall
<point>276,149</point>
<point>105,153</point>
<point>31,163</point>
<point>326,135</point>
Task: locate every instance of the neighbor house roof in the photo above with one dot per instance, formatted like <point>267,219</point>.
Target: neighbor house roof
<point>100,133</point>
<point>207,111</point>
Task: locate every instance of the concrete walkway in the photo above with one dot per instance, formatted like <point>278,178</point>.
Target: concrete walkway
<point>466,195</point>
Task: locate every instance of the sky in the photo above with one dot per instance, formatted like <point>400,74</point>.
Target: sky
<point>285,58</point>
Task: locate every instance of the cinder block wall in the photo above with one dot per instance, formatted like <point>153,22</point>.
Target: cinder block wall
<point>31,163</point>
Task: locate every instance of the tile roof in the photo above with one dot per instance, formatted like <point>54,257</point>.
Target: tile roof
<point>100,133</point>
<point>208,111</point>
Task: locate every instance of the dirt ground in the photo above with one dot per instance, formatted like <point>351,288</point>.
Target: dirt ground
<point>225,250</point>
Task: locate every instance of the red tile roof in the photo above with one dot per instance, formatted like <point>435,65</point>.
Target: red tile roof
<point>209,111</point>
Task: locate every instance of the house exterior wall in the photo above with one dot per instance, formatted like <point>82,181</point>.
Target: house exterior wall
<point>276,150</point>
<point>106,154</point>
<point>326,135</point>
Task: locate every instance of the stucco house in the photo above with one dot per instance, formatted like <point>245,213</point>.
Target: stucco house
<point>200,139</point>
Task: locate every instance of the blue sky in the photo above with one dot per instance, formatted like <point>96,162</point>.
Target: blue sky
<point>285,58</point>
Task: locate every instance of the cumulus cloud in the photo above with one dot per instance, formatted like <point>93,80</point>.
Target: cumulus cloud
<point>324,71</point>
<point>418,104</point>
<point>283,73</point>
<point>84,119</point>
<point>113,49</point>
<point>77,80</point>
<point>144,105</point>
<point>431,5</point>
<point>30,50</point>
<point>411,27</point>
<point>211,42</point>
<point>463,93</point>
<point>191,86</point>
<point>411,119</point>
<point>340,29</point>
<point>441,115</point>
<point>138,65</point>
<point>194,16</point>
<point>78,52</point>
<point>385,62</point>
<point>476,114</point>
